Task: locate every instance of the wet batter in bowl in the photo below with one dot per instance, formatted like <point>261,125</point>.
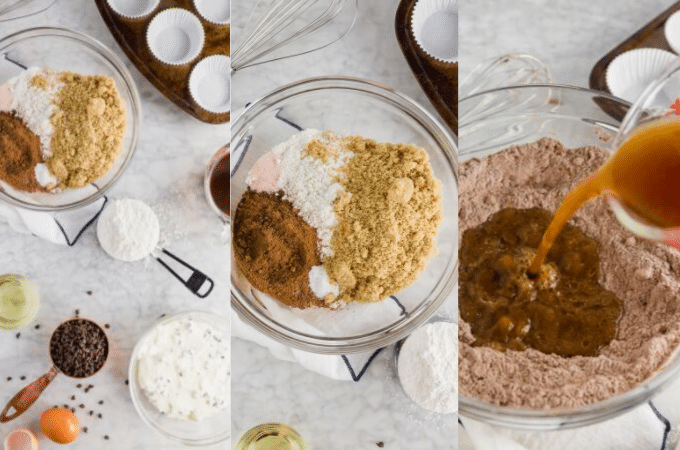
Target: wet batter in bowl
<point>643,275</point>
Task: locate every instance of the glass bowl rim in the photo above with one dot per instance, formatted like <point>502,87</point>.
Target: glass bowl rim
<point>136,391</point>
<point>128,84</point>
<point>571,417</point>
<point>392,333</point>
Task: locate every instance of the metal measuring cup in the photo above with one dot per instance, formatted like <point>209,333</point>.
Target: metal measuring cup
<point>28,395</point>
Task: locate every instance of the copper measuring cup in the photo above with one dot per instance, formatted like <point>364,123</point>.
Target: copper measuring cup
<point>28,395</point>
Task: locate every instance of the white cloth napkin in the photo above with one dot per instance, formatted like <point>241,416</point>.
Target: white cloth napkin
<point>60,228</point>
<point>643,428</point>
<point>63,228</point>
<point>338,367</point>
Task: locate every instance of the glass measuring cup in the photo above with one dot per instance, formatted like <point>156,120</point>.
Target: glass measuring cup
<point>29,394</point>
<point>658,101</point>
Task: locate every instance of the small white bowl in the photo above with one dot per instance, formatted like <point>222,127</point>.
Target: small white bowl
<point>672,31</point>
<point>175,36</point>
<point>133,9</point>
<point>631,72</point>
<point>434,24</point>
<point>210,84</point>
<point>214,11</point>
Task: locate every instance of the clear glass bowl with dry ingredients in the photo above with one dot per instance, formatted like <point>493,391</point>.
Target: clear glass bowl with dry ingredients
<point>494,120</point>
<point>65,50</point>
<point>346,106</point>
<point>207,431</point>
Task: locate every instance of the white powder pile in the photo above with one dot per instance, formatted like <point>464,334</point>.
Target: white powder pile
<point>34,105</point>
<point>428,367</point>
<point>128,230</point>
<point>310,184</point>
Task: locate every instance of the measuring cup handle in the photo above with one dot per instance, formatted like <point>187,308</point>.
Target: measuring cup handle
<point>27,396</point>
<point>195,282</point>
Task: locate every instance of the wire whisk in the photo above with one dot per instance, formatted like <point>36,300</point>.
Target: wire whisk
<point>289,29</point>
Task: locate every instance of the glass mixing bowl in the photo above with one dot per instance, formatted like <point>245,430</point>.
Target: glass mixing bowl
<point>61,49</point>
<point>347,106</point>
<point>196,433</point>
<point>490,122</point>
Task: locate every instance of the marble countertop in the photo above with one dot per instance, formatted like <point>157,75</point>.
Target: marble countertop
<point>333,415</point>
<point>167,173</point>
<point>569,37</point>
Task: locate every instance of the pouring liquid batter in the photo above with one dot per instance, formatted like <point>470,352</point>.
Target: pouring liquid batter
<point>645,176</point>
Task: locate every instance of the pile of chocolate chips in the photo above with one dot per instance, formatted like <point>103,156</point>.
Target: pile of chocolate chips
<point>79,348</point>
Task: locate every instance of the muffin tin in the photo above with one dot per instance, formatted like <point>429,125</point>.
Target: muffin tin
<point>649,36</point>
<point>172,80</point>
<point>439,79</point>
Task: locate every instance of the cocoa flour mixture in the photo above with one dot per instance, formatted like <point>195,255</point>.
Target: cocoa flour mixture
<point>644,275</point>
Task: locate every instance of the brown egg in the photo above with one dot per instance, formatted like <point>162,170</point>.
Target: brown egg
<point>60,425</point>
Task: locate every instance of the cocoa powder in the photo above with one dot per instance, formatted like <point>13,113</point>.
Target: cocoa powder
<point>644,275</point>
<point>19,154</point>
<point>275,248</point>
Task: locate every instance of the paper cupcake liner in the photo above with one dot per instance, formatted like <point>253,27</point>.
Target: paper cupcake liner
<point>133,9</point>
<point>434,24</point>
<point>175,36</point>
<point>631,72</point>
<point>214,11</point>
<point>210,84</point>
<point>672,31</point>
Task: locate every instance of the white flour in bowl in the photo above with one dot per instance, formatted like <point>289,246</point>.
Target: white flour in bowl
<point>428,368</point>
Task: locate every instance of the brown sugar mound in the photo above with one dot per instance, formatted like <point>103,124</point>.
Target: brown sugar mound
<point>275,248</point>
<point>89,126</point>
<point>387,220</point>
<point>19,154</point>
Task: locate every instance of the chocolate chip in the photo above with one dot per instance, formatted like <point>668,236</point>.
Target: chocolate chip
<point>127,382</point>
<point>99,416</point>
<point>91,412</point>
<point>380,444</point>
<point>79,348</point>
<point>106,436</point>
<point>22,378</point>
<point>18,335</point>
<point>82,406</point>
<point>101,402</point>
<point>73,410</point>
<point>89,292</point>
<point>84,429</point>
<point>77,312</point>
<point>107,326</point>
<point>9,378</point>
<point>79,385</point>
<point>37,327</point>
<point>73,397</point>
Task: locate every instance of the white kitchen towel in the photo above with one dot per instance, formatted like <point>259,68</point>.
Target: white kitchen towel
<point>338,367</point>
<point>644,428</point>
<point>63,228</point>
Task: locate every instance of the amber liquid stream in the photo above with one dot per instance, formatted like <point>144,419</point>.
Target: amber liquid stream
<point>645,176</point>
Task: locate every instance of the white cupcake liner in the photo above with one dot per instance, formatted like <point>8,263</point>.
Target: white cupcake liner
<point>631,72</point>
<point>434,24</point>
<point>672,31</point>
<point>210,84</point>
<point>133,9</point>
<point>214,11</point>
<point>175,36</point>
